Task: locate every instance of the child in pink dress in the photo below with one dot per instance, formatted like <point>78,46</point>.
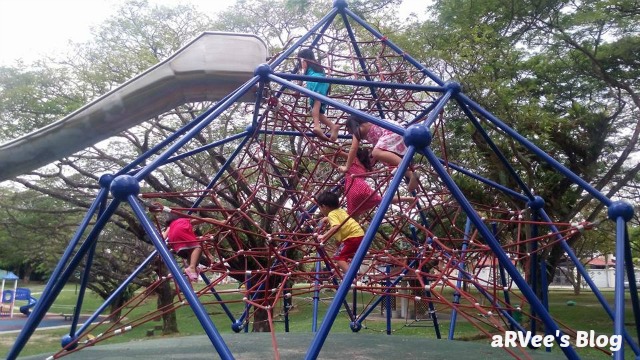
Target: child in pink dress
<point>388,147</point>
<point>360,196</point>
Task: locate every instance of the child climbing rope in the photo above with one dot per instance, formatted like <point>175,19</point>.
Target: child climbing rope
<point>348,233</point>
<point>360,196</point>
<point>184,242</point>
<point>388,147</point>
<point>311,67</point>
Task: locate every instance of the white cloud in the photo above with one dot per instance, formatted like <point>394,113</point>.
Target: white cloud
<point>30,29</point>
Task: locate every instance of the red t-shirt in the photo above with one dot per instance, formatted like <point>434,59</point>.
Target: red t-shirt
<point>181,235</point>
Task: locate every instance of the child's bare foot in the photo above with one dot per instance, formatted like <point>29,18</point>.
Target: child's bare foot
<point>321,134</point>
<point>334,132</point>
<point>414,183</point>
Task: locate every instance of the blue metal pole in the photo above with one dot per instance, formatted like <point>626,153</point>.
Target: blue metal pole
<point>442,101</point>
<point>223,168</point>
<point>172,137</point>
<point>316,297</point>
<point>334,307</point>
<point>205,148</point>
<point>631,277</point>
<point>387,290</point>
<point>497,250</point>
<point>117,291</point>
<point>188,292</point>
<point>432,309</point>
<point>503,276</point>
<point>461,267</point>
<point>85,280</point>
<point>533,269</point>
<point>361,83</point>
<point>393,46</point>
<point>83,287</point>
<point>286,304</point>
<point>618,320</point>
<point>387,269</point>
<point>363,66</point>
<point>533,148</point>
<point>160,159</point>
<point>494,302</point>
<point>495,149</point>
<point>337,104</point>
<point>324,22</point>
<point>585,275</point>
<point>544,288</point>
<point>354,300</point>
<point>224,306</point>
<point>492,184</point>
<point>247,307</point>
<point>62,274</point>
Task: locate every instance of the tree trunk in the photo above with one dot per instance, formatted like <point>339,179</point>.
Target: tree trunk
<point>261,320</point>
<point>165,298</point>
<point>577,283</point>
<point>116,306</point>
<point>26,276</point>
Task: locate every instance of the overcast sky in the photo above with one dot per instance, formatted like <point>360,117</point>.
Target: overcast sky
<point>30,29</point>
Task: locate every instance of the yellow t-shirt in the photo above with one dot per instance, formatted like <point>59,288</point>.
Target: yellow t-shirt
<point>349,229</point>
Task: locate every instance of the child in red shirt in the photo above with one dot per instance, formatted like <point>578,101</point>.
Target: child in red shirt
<point>183,241</point>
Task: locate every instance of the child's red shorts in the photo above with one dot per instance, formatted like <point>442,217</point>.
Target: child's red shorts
<point>348,248</point>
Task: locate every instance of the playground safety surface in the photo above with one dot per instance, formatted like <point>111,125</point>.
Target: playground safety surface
<point>339,346</point>
<point>19,320</point>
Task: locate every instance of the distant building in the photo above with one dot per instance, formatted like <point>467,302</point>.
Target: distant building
<point>601,269</point>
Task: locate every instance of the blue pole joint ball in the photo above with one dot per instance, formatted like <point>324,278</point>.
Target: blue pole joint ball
<point>355,326</point>
<point>263,70</point>
<point>123,186</point>
<point>417,135</point>
<point>66,340</point>
<point>620,209</point>
<point>454,86</point>
<point>105,180</point>
<point>237,326</point>
<point>537,203</point>
<point>340,4</point>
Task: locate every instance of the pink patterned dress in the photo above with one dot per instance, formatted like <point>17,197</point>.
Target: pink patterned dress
<point>360,196</point>
<point>386,140</point>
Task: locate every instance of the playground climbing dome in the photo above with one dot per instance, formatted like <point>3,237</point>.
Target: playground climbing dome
<point>441,256</point>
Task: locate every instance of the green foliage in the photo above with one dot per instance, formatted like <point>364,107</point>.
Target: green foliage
<point>33,230</point>
<point>33,98</point>
<point>564,77</point>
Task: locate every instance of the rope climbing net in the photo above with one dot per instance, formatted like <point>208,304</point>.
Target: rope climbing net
<point>426,258</point>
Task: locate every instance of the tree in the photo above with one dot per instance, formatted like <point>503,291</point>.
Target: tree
<point>562,75</point>
<point>547,90</point>
<point>32,226</point>
<point>137,37</point>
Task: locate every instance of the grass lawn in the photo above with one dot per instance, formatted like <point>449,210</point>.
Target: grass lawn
<point>586,314</point>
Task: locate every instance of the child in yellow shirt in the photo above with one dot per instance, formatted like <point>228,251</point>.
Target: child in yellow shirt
<point>346,230</point>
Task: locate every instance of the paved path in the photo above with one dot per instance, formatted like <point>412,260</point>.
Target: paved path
<point>343,346</point>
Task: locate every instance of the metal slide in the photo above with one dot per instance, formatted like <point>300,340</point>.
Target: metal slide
<point>207,69</point>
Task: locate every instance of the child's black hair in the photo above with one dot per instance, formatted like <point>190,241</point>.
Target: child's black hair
<point>171,217</point>
<point>307,54</point>
<point>353,126</point>
<point>328,198</point>
<point>364,156</point>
